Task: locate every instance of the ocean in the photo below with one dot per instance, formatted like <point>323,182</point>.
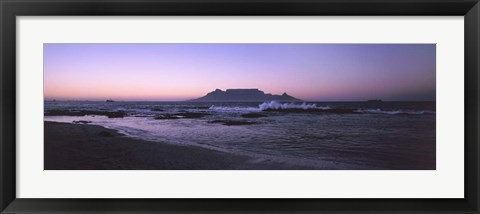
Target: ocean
<point>331,135</point>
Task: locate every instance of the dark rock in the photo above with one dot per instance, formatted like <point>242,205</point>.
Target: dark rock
<point>117,114</point>
<point>253,115</point>
<point>203,107</point>
<point>166,117</point>
<point>191,115</point>
<point>64,113</point>
<point>294,110</point>
<point>183,115</point>
<point>233,122</point>
<point>341,111</point>
<point>81,122</point>
<point>330,111</point>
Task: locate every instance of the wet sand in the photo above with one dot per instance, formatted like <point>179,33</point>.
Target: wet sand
<point>92,147</point>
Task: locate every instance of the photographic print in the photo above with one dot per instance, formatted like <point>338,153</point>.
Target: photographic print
<point>214,106</point>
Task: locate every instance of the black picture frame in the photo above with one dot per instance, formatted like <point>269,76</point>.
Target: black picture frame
<point>10,9</point>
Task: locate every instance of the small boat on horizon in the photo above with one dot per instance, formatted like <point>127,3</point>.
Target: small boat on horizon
<point>374,101</point>
<point>110,101</point>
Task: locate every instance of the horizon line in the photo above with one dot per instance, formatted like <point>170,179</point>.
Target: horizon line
<point>105,100</point>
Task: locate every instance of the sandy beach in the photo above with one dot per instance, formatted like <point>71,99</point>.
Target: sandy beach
<point>92,147</point>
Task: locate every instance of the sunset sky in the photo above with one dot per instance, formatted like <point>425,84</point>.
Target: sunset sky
<point>175,72</point>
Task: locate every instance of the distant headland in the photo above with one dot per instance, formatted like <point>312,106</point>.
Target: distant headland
<point>241,95</point>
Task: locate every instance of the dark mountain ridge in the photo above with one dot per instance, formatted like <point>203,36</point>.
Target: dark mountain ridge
<point>241,95</point>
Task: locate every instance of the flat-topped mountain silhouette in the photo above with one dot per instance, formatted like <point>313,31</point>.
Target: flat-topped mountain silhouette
<point>244,95</point>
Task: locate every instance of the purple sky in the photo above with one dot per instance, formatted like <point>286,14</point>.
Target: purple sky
<point>168,72</point>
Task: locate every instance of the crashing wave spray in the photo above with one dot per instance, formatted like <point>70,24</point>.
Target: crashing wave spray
<point>233,108</point>
<point>273,105</point>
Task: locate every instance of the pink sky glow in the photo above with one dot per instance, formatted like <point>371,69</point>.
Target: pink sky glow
<point>175,72</point>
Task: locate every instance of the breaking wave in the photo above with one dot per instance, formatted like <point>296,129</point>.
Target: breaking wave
<point>273,105</point>
<point>393,112</point>
<point>233,108</point>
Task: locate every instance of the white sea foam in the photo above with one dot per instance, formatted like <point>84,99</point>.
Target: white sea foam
<point>272,105</point>
<point>276,106</point>
<point>233,108</point>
